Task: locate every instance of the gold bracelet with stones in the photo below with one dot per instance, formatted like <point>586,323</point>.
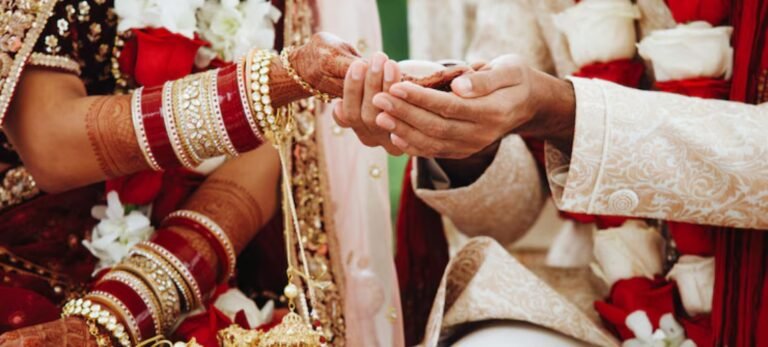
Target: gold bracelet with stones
<point>183,289</point>
<point>260,102</point>
<point>242,65</point>
<point>161,284</point>
<point>172,126</point>
<point>141,134</point>
<point>178,266</point>
<point>96,316</point>
<point>286,62</point>
<point>193,108</point>
<point>126,326</point>
<point>142,290</point>
<point>212,92</point>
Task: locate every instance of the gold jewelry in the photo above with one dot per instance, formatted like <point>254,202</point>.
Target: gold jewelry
<point>244,99</point>
<point>217,232</point>
<point>171,126</point>
<point>213,100</point>
<point>143,291</point>
<point>161,284</point>
<point>124,316</point>
<point>186,293</point>
<point>197,295</point>
<point>292,331</point>
<point>138,127</point>
<point>96,316</point>
<point>259,92</point>
<point>285,60</point>
<point>235,336</point>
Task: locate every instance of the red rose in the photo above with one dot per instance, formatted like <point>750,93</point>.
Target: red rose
<point>713,11</point>
<point>693,239</point>
<point>137,189</point>
<point>626,72</point>
<point>154,56</point>
<point>178,185</point>
<point>655,297</point>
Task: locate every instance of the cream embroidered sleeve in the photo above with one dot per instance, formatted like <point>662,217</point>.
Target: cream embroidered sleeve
<point>664,156</point>
<point>503,203</point>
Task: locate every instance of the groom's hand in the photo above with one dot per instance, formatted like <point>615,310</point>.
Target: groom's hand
<point>504,96</point>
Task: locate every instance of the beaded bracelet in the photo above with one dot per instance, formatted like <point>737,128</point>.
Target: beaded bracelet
<point>215,235</point>
<point>97,317</point>
<point>126,327</point>
<point>178,265</point>
<point>286,62</point>
<point>257,80</point>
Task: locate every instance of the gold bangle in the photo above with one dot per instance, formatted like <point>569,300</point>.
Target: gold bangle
<point>216,230</point>
<point>259,92</point>
<point>181,286</point>
<point>284,59</point>
<point>124,316</point>
<point>184,124</point>
<point>218,118</point>
<point>242,64</point>
<point>161,284</point>
<point>142,290</point>
<point>178,266</point>
<point>141,134</point>
<point>171,123</point>
<point>96,316</point>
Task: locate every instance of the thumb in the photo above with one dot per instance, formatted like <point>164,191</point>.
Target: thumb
<point>497,75</point>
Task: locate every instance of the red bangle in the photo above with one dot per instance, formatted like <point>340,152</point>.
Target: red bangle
<point>137,307</point>
<point>234,112</point>
<point>154,126</point>
<point>201,230</point>
<point>193,260</point>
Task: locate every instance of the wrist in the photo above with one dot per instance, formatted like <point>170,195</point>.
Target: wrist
<point>554,115</point>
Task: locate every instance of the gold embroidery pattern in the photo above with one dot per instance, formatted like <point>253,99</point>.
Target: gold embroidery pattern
<point>21,23</point>
<point>307,187</point>
<point>54,61</point>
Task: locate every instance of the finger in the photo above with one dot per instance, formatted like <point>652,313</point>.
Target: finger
<point>392,74</point>
<point>373,85</point>
<point>338,114</point>
<point>489,79</point>
<point>478,65</point>
<point>353,95</point>
<point>423,120</point>
<point>416,143</point>
<point>447,105</point>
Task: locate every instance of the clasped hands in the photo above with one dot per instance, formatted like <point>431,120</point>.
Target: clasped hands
<point>478,108</point>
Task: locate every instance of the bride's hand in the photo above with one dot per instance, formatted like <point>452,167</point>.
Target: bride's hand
<point>67,332</point>
<point>323,62</point>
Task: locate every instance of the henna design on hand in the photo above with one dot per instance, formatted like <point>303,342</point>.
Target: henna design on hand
<point>111,134</point>
<point>231,206</point>
<point>67,332</point>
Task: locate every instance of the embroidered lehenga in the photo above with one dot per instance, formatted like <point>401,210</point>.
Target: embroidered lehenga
<point>348,245</point>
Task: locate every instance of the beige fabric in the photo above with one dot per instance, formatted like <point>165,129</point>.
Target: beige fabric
<point>483,281</point>
<point>664,156</point>
<point>503,203</point>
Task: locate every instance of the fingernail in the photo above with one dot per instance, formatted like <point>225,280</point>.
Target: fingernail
<point>389,71</point>
<point>385,122</point>
<point>462,85</point>
<point>397,141</point>
<point>356,70</point>
<point>378,62</point>
<point>399,91</point>
<point>382,102</point>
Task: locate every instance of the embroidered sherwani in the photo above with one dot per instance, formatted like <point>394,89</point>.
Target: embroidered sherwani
<point>636,153</point>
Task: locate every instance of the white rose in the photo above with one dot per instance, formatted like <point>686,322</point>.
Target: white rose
<point>176,16</point>
<point>669,334</point>
<point>234,28</point>
<point>233,300</point>
<point>695,277</point>
<point>689,51</point>
<point>116,232</point>
<point>599,30</point>
<point>631,250</point>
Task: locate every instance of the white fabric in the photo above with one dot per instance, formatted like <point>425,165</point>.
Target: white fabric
<point>689,51</point>
<point>631,250</point>
<point>599,30</point>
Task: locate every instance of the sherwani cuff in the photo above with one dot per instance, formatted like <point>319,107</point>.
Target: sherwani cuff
<point>574,179</point>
